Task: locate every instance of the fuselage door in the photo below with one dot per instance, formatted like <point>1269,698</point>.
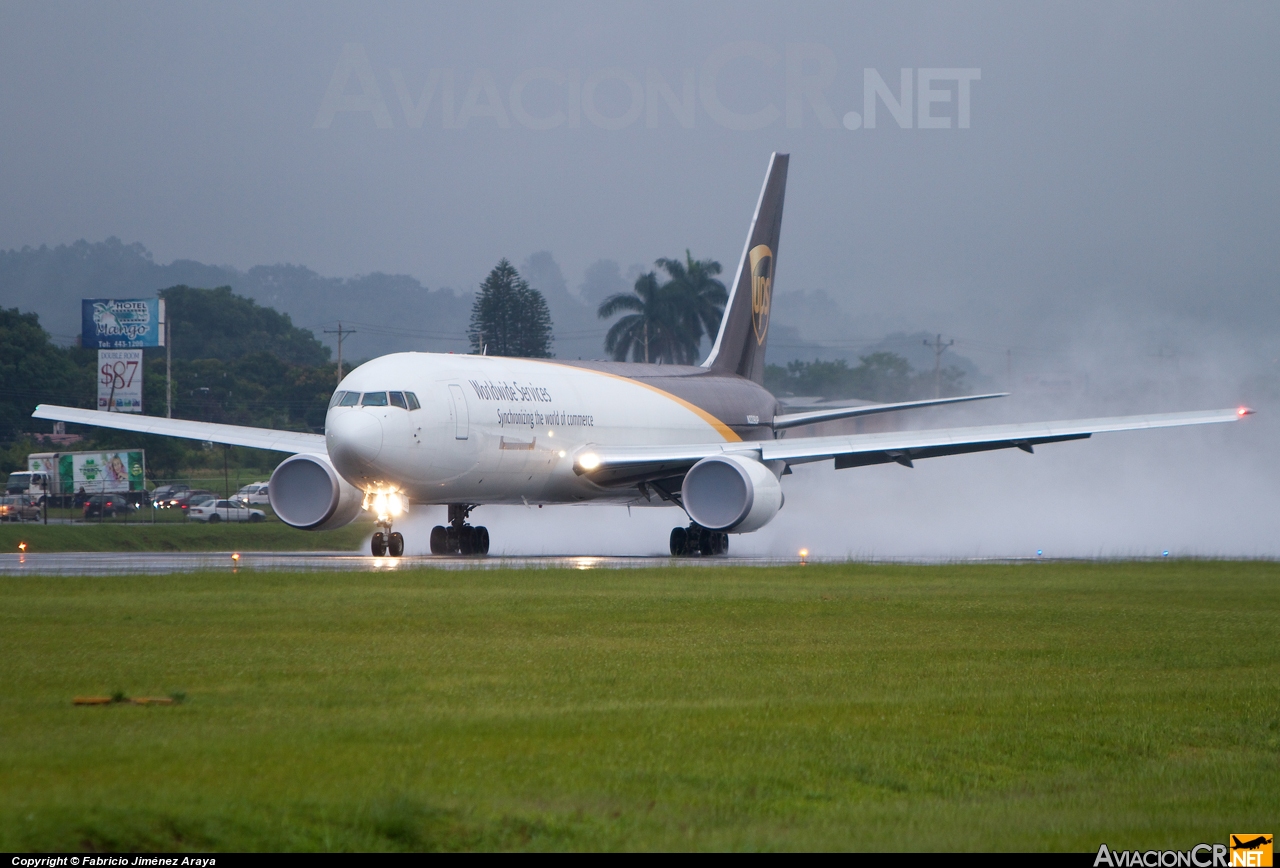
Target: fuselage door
<point>461,421</point>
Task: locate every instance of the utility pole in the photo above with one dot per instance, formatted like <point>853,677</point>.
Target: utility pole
<point>340,332</point>
<point>168,367</point>
<point>938,349</point>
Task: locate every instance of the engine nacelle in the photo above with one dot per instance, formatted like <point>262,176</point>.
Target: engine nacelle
<point>731,493</point>
<point>307,493</point>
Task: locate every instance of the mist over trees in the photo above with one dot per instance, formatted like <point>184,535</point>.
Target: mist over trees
<point>281,309</point>
<point>217,324</point>
<point>881,377</point>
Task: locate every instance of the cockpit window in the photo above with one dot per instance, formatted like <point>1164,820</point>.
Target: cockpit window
<point>374,399</point>
<point>412,400</point>
<point>349,399</point>
<point>397,400</point>
<point>337,396</point>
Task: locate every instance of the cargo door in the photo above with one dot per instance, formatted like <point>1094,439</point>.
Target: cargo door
<point>461,421</point>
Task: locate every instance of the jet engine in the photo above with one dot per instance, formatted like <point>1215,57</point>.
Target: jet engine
<point>307,493</point>
<point>731,493</point>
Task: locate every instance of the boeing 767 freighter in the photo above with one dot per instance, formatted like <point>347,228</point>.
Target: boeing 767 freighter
<point>470,430</point>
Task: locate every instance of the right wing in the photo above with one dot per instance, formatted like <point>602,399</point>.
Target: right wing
<point>293,442</point>
<point>618,467</point>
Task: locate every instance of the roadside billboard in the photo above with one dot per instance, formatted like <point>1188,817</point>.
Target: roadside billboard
<point>120,381</point>
<point>104,471</point>
<point>121,323</point>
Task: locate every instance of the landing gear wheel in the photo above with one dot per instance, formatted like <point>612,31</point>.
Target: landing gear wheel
<point>466,540</point>
<point>395,547</point>
<point>482,540</point>
<point>697,541</point>
<point>679,541</point>
<point>439,541</point>
<point>378,545</point>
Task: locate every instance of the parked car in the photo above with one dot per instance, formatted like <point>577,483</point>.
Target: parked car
<point>19,507</point>
<point>216,510</point>
<point>254,492</point>
<point>106,505</point>
<point>167,495</point>
<point>184,500</point>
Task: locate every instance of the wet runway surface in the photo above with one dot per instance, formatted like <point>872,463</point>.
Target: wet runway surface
<point>133,563</point>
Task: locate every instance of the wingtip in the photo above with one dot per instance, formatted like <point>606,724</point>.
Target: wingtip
<point>1243,411</point>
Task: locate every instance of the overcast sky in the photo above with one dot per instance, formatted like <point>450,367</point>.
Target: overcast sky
<point>1119,160</point>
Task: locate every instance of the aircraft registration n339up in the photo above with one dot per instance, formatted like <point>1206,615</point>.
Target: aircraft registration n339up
<point>470,430</point>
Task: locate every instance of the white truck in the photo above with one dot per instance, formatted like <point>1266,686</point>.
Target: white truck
<point>59,476</point>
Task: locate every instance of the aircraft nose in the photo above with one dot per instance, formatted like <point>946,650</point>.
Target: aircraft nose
<point>354,439</point>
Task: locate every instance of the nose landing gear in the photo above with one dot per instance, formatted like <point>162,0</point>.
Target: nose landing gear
<point>696,541</point>
<point>385,542</point>
<point>459,538</point>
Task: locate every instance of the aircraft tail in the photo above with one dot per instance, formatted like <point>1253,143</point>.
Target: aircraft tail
<point>744,329</point>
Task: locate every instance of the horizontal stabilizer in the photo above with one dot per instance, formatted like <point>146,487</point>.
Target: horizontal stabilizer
<point>293,442</point>
<point>828,414</point>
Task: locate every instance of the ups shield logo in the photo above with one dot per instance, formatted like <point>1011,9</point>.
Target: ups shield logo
<point>761,258</point>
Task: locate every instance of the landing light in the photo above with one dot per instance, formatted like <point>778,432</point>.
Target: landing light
<point>590,461</point>
<point>804,556</point>
<point>22,547</point>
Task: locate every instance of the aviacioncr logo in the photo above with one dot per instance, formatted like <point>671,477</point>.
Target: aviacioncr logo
<point>761,258</point>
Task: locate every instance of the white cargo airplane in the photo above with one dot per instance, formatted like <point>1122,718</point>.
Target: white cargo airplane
<point>468,430</point>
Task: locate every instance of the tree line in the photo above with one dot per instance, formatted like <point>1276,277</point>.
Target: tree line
<point>238,362</point>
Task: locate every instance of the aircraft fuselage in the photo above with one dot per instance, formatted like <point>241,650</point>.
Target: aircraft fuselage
<point>490,429</point>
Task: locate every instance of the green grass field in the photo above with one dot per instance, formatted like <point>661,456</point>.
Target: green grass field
<point>187,536</point>
<point>1007,707</point>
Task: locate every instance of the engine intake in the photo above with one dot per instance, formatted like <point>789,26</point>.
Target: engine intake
<point>731,493</point>
<point>307,493</point>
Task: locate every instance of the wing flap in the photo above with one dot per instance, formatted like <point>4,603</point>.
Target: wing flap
<point>293,442</point>
<point>827,414</point>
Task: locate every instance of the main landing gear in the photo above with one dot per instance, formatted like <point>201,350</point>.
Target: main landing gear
<point>696,541</point>
<point>459,538</point>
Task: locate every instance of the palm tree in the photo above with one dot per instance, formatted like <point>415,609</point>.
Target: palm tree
<point>655,331</point>
<point>698,295</point>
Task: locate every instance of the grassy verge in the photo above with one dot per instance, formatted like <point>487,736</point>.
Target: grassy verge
<point>1040,706</point>
<point>188,536</point>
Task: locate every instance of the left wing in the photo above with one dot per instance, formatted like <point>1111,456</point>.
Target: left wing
<point>631,466</point>
<point>293,442</point>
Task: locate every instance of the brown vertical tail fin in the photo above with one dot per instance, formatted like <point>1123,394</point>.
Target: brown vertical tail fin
<point>744,329</point>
